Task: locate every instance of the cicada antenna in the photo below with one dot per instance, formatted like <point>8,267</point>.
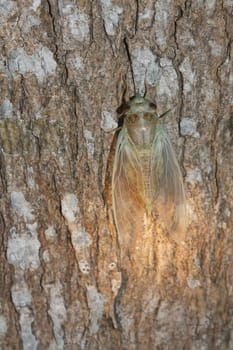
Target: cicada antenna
<point>167,112</point>
<point>164,114</point>
<point>114,129</point>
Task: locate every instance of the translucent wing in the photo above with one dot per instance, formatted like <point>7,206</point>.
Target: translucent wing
<point>127,188</point>
<point>139,191</point>
<point>167,183</point>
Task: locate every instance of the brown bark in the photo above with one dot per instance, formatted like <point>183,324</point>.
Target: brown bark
<point>65,281</point>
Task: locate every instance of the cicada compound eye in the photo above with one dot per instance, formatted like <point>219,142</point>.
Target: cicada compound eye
<point>124,108</point>
<point>153,105</point>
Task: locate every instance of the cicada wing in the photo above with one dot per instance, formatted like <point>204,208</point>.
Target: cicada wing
<point>127,187</point>
<point>168,189</point>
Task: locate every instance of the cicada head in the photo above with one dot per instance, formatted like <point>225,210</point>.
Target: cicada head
<point>137,104</point>
<point>140,118</point>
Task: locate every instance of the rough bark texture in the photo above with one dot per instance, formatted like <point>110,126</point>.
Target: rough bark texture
<point>64,282</point>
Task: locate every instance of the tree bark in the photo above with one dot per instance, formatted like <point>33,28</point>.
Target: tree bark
<point>65,280</point>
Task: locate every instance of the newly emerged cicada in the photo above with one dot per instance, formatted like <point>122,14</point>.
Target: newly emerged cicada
<point>147,181</point>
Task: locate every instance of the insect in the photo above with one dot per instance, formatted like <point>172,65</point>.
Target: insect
<point>147,182</point>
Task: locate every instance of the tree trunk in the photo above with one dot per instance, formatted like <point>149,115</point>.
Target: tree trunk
<point>66,281</point>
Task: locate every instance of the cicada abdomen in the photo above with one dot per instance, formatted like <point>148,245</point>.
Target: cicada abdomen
<point>147,181</point>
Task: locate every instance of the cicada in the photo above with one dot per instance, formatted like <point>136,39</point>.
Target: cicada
<point>147,181</point>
